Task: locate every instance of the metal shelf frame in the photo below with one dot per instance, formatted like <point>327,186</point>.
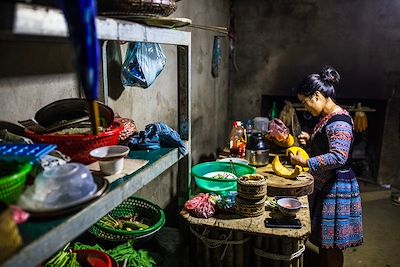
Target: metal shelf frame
<point>43,239</point>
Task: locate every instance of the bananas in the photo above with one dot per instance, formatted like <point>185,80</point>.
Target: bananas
<point>280,170</point>
<point>360,122</point>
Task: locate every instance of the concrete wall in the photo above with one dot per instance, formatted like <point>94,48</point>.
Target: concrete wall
<point>280,42</point>
<point>38,72</point>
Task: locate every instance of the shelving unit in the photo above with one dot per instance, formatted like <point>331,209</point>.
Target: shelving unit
<point>44,238</point>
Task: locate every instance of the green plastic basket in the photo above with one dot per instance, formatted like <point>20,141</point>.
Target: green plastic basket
<point>214,184</point>
<point>130,207</point>
<point>12,180</point>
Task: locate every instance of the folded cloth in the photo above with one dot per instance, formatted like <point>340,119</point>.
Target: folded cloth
<point>157,135</point>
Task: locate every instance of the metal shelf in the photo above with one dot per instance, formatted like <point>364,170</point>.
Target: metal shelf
<point>43,238</point>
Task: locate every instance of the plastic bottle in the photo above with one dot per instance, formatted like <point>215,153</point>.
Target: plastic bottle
<point>249,128</point>
<point>237,140</point>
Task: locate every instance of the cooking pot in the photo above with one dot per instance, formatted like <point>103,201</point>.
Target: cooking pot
<point>257,150</point>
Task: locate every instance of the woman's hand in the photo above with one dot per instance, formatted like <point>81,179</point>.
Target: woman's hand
<point>298,160</point>
<point>303,138</point>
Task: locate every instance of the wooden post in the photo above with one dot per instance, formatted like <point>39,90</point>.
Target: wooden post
<point>266,247</point>
<point>215,253</point>
<point>192,246</point>
<point>239,249</point>
<point>286,246</point>
<point>229,260</point>
<point>201,259</point>
<point>295,247</point>
<point>301,242</point>
<point>275,248</point>
<point>257,243</point>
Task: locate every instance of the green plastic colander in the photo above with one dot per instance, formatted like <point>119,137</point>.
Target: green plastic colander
<point>130,207</point>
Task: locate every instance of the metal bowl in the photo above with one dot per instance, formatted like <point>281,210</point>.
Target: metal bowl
<point>289,206</point>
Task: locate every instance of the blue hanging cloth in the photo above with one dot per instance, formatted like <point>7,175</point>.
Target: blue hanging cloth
<point>157,135</point>
<point>80,16</point>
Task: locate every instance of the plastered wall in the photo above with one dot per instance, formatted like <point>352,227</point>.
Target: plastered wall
<point>37,72</point>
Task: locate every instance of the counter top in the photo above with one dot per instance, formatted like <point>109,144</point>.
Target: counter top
<point>255,225</point>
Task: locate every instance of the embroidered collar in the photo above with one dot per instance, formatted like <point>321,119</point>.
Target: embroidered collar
<point>325,119</point>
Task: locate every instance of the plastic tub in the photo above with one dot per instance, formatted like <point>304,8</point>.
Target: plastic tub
<point>201,171</point>
<point>93,258</point>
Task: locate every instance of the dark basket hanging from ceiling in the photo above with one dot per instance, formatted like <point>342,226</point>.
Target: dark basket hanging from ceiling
<point>136,7</point>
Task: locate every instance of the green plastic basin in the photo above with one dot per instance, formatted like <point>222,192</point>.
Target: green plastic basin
<point>201,170</point>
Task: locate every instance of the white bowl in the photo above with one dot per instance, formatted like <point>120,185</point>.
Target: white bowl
<point>111,158</point>
<point>234,160</point>
<point>289,206</point>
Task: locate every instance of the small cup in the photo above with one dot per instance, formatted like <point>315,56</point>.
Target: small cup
<point>111,158</point>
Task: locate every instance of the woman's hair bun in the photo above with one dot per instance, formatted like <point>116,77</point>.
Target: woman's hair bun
<point>330,75</point>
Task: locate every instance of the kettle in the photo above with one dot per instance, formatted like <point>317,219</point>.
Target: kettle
<point>257,150</point>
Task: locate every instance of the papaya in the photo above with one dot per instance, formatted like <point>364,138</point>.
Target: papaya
<point>288,142</point>
<point>295,150</point>
<point>282,171</point>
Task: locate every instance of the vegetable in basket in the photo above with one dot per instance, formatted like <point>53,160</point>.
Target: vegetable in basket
<point>126,223</point>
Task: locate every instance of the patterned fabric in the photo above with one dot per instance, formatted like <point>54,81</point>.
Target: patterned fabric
<point>338,136</point>
<point>336,205</point>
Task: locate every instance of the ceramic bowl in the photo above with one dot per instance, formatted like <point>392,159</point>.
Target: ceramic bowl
<point>111,158</point>
<point>289,206</point>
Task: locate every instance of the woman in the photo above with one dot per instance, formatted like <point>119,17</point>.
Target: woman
<point>336,203</point>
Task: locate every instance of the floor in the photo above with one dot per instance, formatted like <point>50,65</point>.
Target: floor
<point>381,221</point>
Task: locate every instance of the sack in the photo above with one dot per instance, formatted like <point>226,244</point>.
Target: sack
<point>143,63</point>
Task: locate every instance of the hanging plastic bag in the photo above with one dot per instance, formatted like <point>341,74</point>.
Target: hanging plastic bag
<point>144,62</point>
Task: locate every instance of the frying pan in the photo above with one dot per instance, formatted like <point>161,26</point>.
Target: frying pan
<point>70,109</point>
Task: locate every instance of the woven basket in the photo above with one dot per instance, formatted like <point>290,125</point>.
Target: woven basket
<point>13,183</point>
<point>161,8</point>
<point>130,207</point>
<point>252,186</point>
<point>78,146</point>
<point>248,208</point>
<point>10,240</point>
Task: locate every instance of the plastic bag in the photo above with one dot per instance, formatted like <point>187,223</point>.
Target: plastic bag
<point>144,62</point>
<point>278,130</point>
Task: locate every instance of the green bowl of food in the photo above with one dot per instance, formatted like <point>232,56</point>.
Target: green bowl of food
<point>219,176</point>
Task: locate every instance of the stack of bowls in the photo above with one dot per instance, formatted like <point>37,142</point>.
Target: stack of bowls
<point>252,191</point>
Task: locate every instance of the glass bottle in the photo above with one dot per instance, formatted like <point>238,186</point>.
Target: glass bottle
<point>273,112</point>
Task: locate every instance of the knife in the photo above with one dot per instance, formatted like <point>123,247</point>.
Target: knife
<point>296,128</point>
